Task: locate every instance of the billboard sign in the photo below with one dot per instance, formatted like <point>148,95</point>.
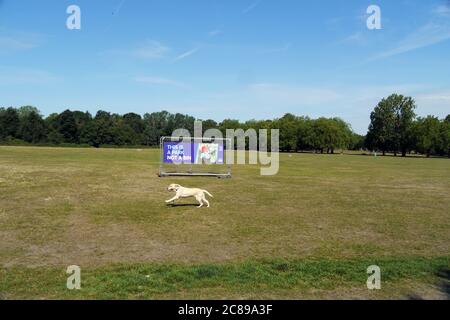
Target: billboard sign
<point>193,153</point>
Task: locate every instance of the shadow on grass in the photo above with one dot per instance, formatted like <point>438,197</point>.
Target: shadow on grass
<point>444,276</point>
<point>443,285</point>
<point>173,205</point>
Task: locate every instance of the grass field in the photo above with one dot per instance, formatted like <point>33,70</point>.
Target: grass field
<point>309,232</point>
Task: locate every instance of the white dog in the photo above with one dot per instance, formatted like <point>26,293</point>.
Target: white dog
<point>182,192</point>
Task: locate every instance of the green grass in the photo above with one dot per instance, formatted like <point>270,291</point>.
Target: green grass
<point>269,278</point>
<point>104,210</point>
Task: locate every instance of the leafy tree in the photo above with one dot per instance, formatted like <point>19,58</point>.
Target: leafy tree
<point>209,124</point>
<point>9,123</point>
<point>357,142</point>
<point>304,134</point>
<point>124,134</point>
<point>381,128</point>
<point>319,134</point>
<point>88,134</point>
<point>134,121</point>
<point>288,132</point>
<point>445,136</point>
<point>427,135</point>
<point>391,124</point>
<point>340,135</point>
<point>81,118</point>
<point>404,117</point>
<point>155,126</point>
<point>66,126</point>
<point>25,110</point>
<point>53,135</point>
<point>32,127</point>
<point>100,130</point>
<point>229,124</point>
<point>179,121</point>
<point>392,128</point>
<point>104,123</point>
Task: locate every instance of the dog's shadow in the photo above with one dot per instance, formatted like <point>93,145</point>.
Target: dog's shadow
<point>174,205</point>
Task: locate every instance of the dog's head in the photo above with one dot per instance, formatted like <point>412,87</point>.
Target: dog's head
<point>173,187</point>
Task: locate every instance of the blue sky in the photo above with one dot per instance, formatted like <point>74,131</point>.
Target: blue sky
<point>246,59</point>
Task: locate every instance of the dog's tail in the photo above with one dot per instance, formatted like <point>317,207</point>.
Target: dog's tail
<point>209,194</point>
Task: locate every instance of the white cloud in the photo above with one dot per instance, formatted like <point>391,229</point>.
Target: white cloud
<point>148,50</point>
<point>118,8</point>
<point>429,34</point>
<point>436,98</point>
<point>151,49</point>
<point>437,30</point>
<point>18,41</point>
<point>214,32</point>
<point>352,103</point>
<point>292,94</point>
<point>283,48</point>
<point>251,7</point>
<point>442,97</point>
<point>356,38</point>
<point>7,43</point>
<point>186,54</point>
<point>442,10</point>
<point>13,76</point>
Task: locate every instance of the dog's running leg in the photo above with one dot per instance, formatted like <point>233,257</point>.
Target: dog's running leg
<point>207,202</point>
<point>199,199</point>
<point>171,199</point>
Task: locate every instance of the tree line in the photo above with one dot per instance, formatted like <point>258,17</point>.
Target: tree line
<point>394,128</point>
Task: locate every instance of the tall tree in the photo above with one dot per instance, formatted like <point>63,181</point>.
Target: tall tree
<point>340,135</point>
<point>66,125</point>
<point>9,123</point>
<point>319,134</point>
<point>391,123</point>
<point>32,127</point>
<point>155,126</point>
<point>209,124</point>
<point>445,136</point>
<point>304,133</point>
<point>135,121</point>
<point>427,135</point>
<point>381,128</point>
<point>356,142</point>
<point>53,135</point>
<point>404,116</point>
<point>25,110</point>
<point>100,130</point>
<point>179,121</point>
<point>288,132</point>
<point>229,124</point>
<point>81,118</point>
<point>123,134</point>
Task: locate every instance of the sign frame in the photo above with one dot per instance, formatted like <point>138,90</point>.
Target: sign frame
<point>193,169</point>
